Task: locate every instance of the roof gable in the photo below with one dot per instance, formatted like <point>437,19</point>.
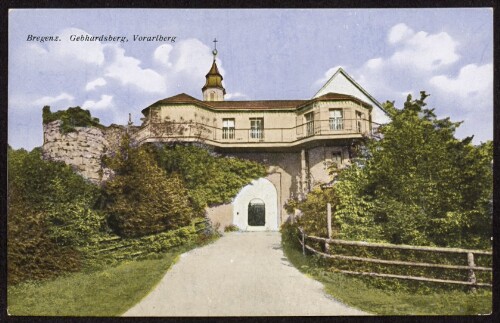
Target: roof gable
<point>341,82</point>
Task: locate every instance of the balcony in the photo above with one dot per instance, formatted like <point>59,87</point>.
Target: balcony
<point>254,137</point>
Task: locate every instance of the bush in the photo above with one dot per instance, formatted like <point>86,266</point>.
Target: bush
<point>231,228</point>
<point>141,198</point>
<point>71,118</point>
<point>209,178</point>
<point>49,208</point>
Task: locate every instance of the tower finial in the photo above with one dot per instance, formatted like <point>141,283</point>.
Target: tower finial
<point>214,52</point>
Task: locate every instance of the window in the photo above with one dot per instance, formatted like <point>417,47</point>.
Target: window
<point>337,158</point>
<point>227,128</point>
<point>309,124</point>
<point>256,213</point>
<point>359,119</point>
<point>256,128</point>
<point>336,119</point>
<point>212,96</point>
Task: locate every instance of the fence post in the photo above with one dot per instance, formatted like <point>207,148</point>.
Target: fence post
<point>329,224</point>
<point>472,276</point>
<point>303,242</point>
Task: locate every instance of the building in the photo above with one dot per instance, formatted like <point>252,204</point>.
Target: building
<point>297,140</point>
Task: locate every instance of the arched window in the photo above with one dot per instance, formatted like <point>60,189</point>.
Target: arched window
<point>256,213</point>
<point>212,96</point>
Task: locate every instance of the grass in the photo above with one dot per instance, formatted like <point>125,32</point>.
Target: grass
<point>107,292</point>
<point>354,292</point>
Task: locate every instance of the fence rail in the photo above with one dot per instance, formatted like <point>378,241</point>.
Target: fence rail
<point>470,267</point>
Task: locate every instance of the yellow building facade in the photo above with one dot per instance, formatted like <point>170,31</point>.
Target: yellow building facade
<point>297,140</point>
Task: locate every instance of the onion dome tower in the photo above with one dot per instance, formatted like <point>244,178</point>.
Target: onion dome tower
<point>213,89</point>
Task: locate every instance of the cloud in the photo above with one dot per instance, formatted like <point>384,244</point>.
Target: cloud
<point>38,49</point>
<point>48,100</point>
<point>162,54</point>
<point>85,51</point>
<point>105,102</point>
<point>192,57</point>
<point>95,83</point>
<point>398,33</point>
<point>235,95</point>
<point>185,63</point>
<point>328,74</point>
<point>374,63</point>
<point>127,70</point>
<point>472,80</point>
<point>421,50</point>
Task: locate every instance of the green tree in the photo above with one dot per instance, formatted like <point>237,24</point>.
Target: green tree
<point>210,179</point>
<point>49,215</point>
<point>142,198</point>
<point>427,185</point>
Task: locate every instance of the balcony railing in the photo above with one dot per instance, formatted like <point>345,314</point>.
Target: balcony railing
<point>336,124</point>
<point>310,128</point>
<point>257,133</point>
<point>227,133</point>
<point>329,128</point>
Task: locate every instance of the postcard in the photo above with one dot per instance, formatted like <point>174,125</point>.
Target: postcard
<point>250,162</point>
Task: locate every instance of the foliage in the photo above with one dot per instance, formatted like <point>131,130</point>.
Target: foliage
<point>353,209</point>
<point>417,185</point>
<point>428,186</point>
<point>71,118</point>
<point>210,179</point>
<point>141,198</point>
<point>109,249</point>
<point>41,233</point>
<point>231,228</point>
<point>314,219</point>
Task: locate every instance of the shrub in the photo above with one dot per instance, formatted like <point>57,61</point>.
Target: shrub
<point>71,118</point>
<point>210,179</point>
<point>231,228</point>
<point>48,206</point>
<point>141,198</point>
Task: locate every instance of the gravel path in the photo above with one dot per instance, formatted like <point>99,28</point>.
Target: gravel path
<point>241,274</point>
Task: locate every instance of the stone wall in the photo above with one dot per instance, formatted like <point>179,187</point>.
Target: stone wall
<point>82,149</point>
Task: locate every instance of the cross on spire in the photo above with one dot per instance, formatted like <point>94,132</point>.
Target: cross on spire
<point>214,52</point>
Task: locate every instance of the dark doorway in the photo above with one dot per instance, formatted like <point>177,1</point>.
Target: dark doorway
<point>256,213</point>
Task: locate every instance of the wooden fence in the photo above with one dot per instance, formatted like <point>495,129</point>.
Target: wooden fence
<point>470,267</point>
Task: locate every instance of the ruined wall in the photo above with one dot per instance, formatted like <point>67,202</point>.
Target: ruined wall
<point>82,149</point>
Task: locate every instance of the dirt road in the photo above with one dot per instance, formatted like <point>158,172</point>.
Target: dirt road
<point>241,274</point>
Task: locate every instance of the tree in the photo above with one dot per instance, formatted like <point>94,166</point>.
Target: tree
<point>427,186</point>
<point>142,198</point>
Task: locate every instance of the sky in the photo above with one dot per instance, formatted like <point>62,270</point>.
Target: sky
<point>264,54</point>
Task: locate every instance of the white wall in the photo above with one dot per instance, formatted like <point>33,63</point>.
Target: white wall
<point>259,189</point>
<point>340,84</point>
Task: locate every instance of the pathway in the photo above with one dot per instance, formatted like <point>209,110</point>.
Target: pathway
<point>241,274</point>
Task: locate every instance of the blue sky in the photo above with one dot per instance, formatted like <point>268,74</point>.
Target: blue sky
<point>263,54</point>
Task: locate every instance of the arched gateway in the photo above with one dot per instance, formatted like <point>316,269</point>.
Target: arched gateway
<point>255,208</point>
